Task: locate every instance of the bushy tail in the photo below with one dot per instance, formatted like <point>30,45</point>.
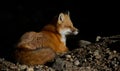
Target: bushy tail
<point>34,57</point>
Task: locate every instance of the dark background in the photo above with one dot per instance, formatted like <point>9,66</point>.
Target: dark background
<point>91,18</point>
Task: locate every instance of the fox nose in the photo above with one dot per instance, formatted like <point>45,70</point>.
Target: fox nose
<point>75,32</point>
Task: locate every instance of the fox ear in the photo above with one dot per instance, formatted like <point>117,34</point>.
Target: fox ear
<point>60,18</point>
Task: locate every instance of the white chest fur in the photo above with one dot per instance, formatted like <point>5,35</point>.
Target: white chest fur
<point>63,39</point>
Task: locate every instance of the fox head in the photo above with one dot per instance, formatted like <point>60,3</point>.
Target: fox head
<point>65,25</point>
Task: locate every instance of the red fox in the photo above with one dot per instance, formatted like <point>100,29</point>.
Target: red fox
<point>41,47</point>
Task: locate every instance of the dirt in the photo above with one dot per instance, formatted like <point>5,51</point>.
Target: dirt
<point>102,55</point>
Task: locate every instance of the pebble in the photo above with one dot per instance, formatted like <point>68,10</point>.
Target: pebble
<point>96,52</point>
<point>76,62</point>
<point>85,60</point>
<point>13,67</point>
<point>114,51</point>
<point>98,38</point>
<point>30,69</point>
<point>71,60</point>
<point>68,56</point>
<point>22,67</point>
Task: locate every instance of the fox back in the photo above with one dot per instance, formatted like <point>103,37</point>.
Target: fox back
<point>52,36</point>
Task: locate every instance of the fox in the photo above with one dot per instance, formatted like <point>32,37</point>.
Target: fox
<point>41,47</point>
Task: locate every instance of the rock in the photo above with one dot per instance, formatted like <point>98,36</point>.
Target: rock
<point>23,67</point>
<point>83,43</point>
<point>98,38</point>
<point>76,62</point>
<point>96,54</point>
<point>68,56</point>
<point>30,69</point>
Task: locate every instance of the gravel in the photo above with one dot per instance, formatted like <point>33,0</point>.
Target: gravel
<point>103,55</point>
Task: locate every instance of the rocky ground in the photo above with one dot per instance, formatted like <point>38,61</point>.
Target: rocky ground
<point>103,55</point>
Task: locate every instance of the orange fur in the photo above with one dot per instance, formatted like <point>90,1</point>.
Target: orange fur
<point>41,47</point>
